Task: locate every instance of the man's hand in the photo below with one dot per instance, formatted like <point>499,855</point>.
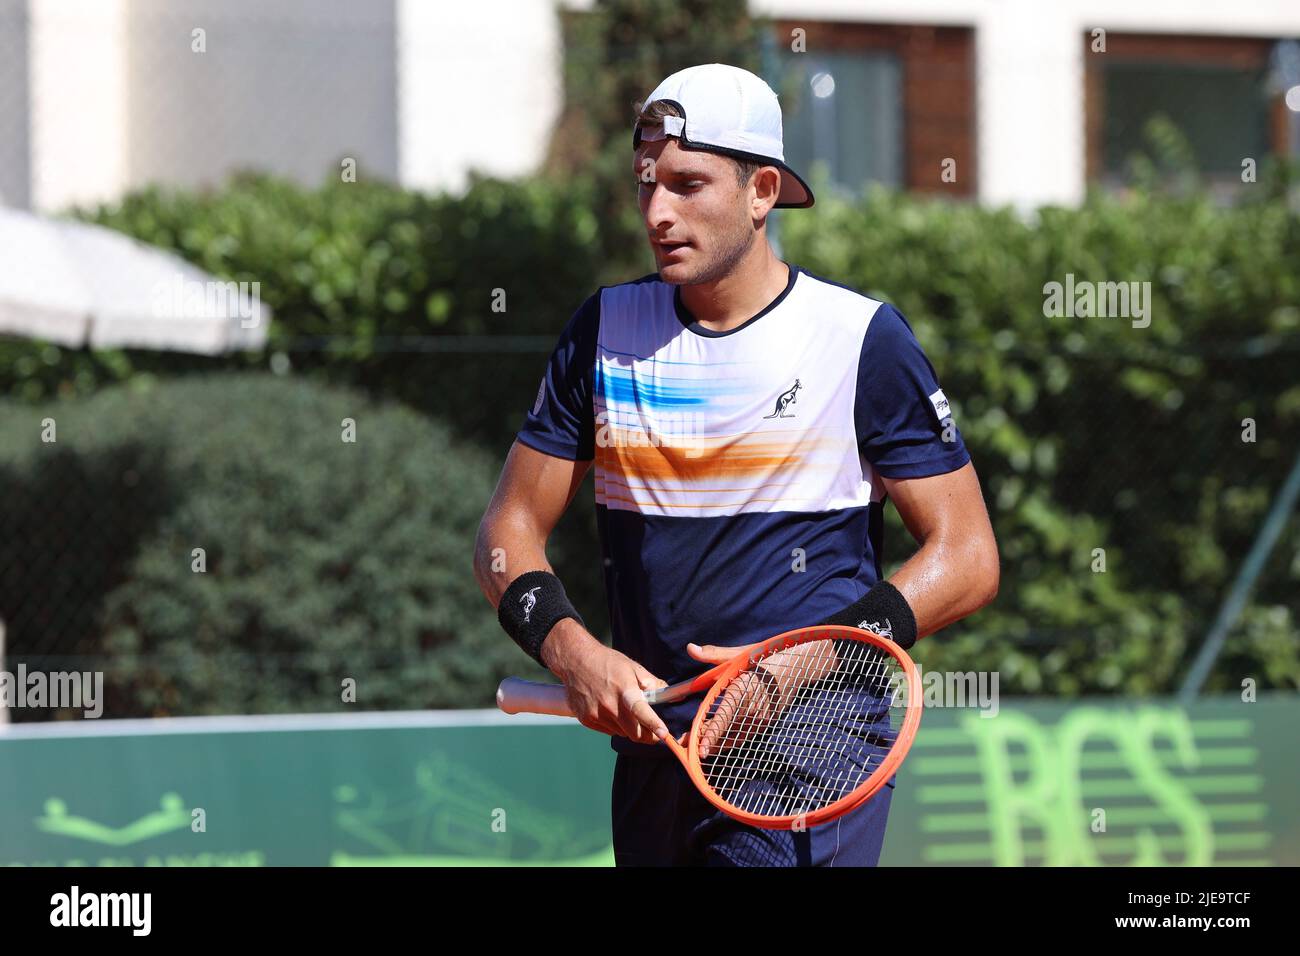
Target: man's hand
<point>743,710</point>
<point>605,689</point>
<point>758,696</point>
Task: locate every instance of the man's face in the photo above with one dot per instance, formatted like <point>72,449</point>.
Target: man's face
<point>697,217</point>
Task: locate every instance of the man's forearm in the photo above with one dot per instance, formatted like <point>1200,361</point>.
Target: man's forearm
<point>501,554</point>
<point>948,579</point>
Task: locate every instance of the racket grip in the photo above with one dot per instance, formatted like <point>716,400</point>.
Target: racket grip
<point>516,696</point>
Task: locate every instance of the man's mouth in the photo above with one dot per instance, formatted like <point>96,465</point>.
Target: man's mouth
<point>672,246</point>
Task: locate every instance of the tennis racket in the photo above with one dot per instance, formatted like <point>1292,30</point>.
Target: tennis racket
<point>792,732</point>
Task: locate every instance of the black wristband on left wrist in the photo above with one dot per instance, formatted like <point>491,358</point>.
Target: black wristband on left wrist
<point>882,610</point>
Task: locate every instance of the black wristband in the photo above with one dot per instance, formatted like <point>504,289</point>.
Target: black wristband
<point>882,610</point>
<point>531,606</point>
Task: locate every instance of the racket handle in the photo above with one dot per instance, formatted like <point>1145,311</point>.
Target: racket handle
<point>516,696</point>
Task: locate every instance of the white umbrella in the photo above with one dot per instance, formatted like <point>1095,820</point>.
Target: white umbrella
<point>78,284</point>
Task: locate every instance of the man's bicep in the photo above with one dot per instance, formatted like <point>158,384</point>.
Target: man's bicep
<point>537,488</point>
<point>947,502</point>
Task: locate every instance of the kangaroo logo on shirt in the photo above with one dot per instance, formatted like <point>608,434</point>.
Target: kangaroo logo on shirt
<point>785,401</point>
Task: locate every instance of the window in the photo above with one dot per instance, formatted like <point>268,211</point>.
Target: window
<point>846,110</point>
<point>1219,92</point>
<point>1223,111</point>
<point>897,103</point>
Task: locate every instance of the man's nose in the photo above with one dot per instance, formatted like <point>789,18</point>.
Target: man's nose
<point>658,209</point>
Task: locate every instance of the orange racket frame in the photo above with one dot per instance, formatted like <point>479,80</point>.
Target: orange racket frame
<point>516,696</point>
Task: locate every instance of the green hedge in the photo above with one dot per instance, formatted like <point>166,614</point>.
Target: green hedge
<point>369,284</point>
<point>325,559</point>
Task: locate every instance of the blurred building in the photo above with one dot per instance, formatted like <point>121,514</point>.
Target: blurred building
<point>1018,101</point>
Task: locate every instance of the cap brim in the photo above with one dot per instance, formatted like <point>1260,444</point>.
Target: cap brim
<point>795,193</point>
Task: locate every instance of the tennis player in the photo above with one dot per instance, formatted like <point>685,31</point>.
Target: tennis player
<point>747,421</point>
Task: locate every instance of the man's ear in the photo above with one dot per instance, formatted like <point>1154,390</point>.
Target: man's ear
<point>767,189</point>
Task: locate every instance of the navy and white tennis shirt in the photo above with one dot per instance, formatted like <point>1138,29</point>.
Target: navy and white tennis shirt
<point>738,474</point>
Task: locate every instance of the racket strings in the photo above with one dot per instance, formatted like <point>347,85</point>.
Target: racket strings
<point>803,727</point>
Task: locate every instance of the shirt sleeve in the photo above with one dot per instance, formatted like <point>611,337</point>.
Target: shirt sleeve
<point>904,424</point>
<point>562,420</point>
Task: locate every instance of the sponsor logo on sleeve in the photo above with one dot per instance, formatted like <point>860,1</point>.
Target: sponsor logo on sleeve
<point>940,403</point>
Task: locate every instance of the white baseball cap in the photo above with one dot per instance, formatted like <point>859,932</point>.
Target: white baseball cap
<point>730,111</point>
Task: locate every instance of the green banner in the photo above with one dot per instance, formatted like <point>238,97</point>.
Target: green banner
<point>1102,783</point>
<point>1090,783</point>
